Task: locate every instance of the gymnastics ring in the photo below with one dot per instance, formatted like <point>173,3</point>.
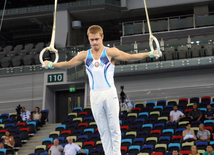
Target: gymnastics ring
<point>153,38</point>
<point>50,48</point>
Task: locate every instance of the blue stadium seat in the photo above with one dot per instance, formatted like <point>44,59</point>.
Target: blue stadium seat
<point>158,107</point>
<point>86,150</point>
<point>10,124</point>
<point>34,123</point>
<point>128,122</point>
<point>203,109</point>
<point>151,120</point>
<point>71,127</point>
<point>208,121</point>
<point>194,100</point>
<point>212,143</point>
<point>122,116</point>
<point>179,131</point>
<point>61,126</point>
<point>147,127</point>
<point>168,153</point>
<point>165,113</point>
<point>142,134</point>
<point>139,141</point>
<point>126,142</point>
<point>147,149</point>
<point>122,135</point>
<point>164,140</point>
<point>48,139</point>
<point>94,137</point>
<point>166,131</point>
<point>9,120</point>
<point>6,114</point>
<point>61,139</point>
<point>33,154</point>
<point>82,138</point>
<point>134,149</point>
<point>120,122</point>
<point>77,109</point>
<point>159,126</point>
<point>89,130</point>
<point>4,151</point>
<point>168,107</point>
<point>95,151</point>
<point>161,103</point>
<point>1,121</point>
<point>212,104</point>
<point>201,145</point>
<point>88,118</point>
<point>139,121</point>
<point>63,144</point>
<point>76,132</point>
<point>173,146</point>
<point>195,123</point>
<point>150,104</point>
<point>44,153</point>
<point>143,114</point>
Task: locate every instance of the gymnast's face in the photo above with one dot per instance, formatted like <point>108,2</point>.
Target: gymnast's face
<point>96,41</point>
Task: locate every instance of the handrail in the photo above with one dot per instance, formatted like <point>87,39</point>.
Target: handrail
<point>168,23</point>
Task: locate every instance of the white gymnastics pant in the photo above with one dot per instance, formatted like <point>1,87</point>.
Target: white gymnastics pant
<point>105,109</point>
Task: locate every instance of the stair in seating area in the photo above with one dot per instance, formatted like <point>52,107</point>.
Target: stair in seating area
<point>44,132</point>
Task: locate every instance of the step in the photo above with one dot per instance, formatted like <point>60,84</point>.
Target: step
<point>30,144</point>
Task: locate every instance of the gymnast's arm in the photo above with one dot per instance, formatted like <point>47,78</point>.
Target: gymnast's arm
<point>77,60</point>
<point>120,55</point>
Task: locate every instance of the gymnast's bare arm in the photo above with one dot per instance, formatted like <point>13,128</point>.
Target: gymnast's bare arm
<point>77,60</point>
<point>122,56</point>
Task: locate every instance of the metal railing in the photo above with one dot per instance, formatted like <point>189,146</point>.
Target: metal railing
<point>168,24</point>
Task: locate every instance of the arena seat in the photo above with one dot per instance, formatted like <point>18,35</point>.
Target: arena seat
<point>61,127</point>
<point>85,150</point>
<point>77,132</point>
<point>47,141</point>
<point>147,149</point>
<point>67,121</point>
<point>88,119</point>
<point>187,145</point>
<point>177,139</point>
<point>61,139</point>
<point>201,145</point>
<point>143,115</point>
<point>65,133</point>
<point>134,149</point>
<point>157,153</point>
<point>97,151</point>
<point>139,141</point>
<point>89,145</point>
<point>159,126</point>
<point>24,132</point>
<point>3,150</point>
<point>164,140</point>
<point>161,148</point>
<point>143,134</point>
<point>54,134</point>
<point>139,121</point>
<point>40,148</point>
<point>150,104</point>
<point>174,146</point>
<point>185,152</point>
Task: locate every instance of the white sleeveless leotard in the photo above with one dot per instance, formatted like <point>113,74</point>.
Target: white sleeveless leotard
<point>100,72</point>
